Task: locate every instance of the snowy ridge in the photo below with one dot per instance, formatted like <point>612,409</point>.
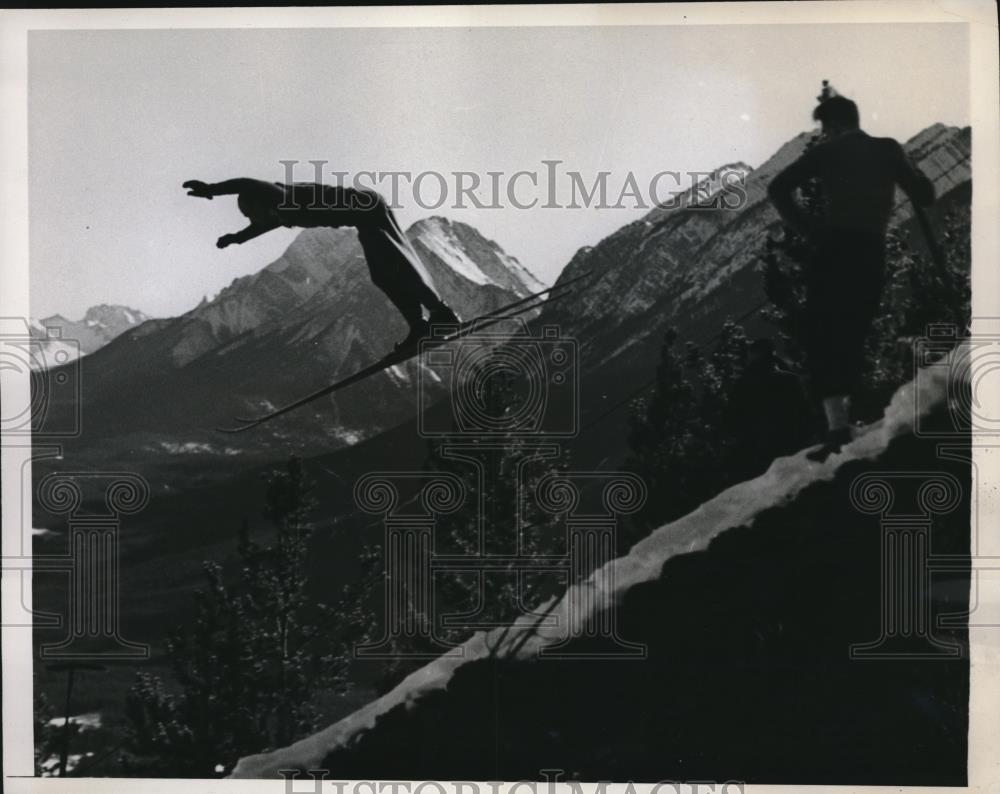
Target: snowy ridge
<point>531,282</point>
<point>436,236</point>
<point>735,507</point>
<point>704,191</point>
<point>465,255</point>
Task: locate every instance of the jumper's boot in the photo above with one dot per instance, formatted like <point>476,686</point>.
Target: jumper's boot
<point>418,330</point>
<point>443,315</point>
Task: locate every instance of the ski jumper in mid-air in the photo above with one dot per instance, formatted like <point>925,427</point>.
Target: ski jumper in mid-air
<point>394,266</point>
<point>858,175</point>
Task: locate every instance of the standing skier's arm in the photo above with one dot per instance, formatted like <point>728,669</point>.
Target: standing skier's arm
<point>781,191</point>
<point>915,184</point>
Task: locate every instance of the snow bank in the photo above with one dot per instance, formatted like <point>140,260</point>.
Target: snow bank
<point>735,507</point>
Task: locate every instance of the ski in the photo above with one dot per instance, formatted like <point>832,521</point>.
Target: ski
<point>402,355</point>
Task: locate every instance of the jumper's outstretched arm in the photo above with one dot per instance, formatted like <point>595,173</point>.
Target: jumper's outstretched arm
<point>255,229</point>
<point>229,187</point>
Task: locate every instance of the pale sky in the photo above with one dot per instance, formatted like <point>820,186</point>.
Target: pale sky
<point>119,119</point>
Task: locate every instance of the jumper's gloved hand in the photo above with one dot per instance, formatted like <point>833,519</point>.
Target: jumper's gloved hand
<point>198,189</point>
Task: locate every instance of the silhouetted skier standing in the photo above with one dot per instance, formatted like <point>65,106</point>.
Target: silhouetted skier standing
<point>394,266</point>
<point>858,175</point>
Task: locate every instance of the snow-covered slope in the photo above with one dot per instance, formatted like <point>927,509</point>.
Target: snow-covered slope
<point>417,707</point>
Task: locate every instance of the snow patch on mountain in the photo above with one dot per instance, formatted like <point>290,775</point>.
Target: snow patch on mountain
<point>195,448</point>
<point>705,193</point>
<point>398,373</point>
<point>87,722</point>
<point>435,235</point>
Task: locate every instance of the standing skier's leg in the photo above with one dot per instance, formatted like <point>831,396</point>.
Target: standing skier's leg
<point>826,309</point>
<point>843,301</point>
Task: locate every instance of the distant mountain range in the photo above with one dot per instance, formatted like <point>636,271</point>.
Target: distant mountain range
<point>61,340</point>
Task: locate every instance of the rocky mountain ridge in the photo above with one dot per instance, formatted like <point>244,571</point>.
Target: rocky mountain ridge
<point>663,266</point>
<point>692,267</point>
<point>61,340</point>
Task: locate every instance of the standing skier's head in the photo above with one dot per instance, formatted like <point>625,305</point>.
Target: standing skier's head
<point>836,113</point>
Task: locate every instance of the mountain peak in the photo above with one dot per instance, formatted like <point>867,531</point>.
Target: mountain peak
<point>470,255</point>
<point>935,137</point>
<point>931,131</point>
<point>738,166</point>
<point>433,220</point>
<point>99,325</point>
<point>114,315</point>
<point>703,191</point>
